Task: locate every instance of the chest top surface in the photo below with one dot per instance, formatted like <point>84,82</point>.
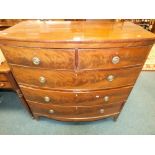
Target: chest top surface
<point>75,31</point>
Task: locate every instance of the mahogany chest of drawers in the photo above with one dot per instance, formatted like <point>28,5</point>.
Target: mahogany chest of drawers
<point>76,70</point>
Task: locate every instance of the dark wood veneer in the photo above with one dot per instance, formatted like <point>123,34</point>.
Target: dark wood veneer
<point>70,80</point>
<point>80,113</point>
<point>75,62</point>
<point>88,98</point>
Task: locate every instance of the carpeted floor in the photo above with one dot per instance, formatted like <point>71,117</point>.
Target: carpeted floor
<point>137,117</point>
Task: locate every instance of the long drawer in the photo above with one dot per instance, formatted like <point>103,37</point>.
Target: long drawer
<point>80,113</point>
<point>89,98</point>
<point>112,57</point>
<point>37,57</point>
<point>69,80</point>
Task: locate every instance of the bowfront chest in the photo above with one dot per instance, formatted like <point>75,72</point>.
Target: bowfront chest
<point>76,71</point>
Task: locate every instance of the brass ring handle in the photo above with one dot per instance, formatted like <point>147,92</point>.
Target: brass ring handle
<point>42,79</point>
<point>110,78</point>
<point>51,111</point>
<point>36,60</point>
<point>115,59</point>
<point>101,111</point>
<point>47,99</point>
<point>106,98</point>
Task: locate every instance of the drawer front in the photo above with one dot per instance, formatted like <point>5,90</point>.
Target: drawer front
<point>112,57</point>
<point>3,77</point>
<point>76,98</point>
<point>74,113</point>
<point>36,57</point>
<point>5,85</point>
<point>70,80</point>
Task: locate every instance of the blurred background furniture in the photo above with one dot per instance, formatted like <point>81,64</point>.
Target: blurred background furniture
<point>148,24</point>
<point>153,27</point>
<point>4,71</point>
<point>5,82</point>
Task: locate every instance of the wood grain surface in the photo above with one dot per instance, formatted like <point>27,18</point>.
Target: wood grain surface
<point>102,58</point>
<point>49,58</point>
<point>76,70</point>
<point>80,113</point>
<point>3,77</point>
<point>65,31</point>
<point>5,85</point>
<point>76,59</point>
<point>4,67</point>
<point>69,80</point>
<point>88,98</point>
<point>76,34</point>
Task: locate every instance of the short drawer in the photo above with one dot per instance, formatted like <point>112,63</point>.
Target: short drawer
<point>112,57</point>
<point>78,113</point>
<point>88,98</point>
<point>5,85</point>
<point>37,57</point>
<point>3,77</point>
<point>69,80</point>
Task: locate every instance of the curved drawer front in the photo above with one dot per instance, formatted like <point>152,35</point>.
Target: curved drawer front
<point>74,113</point>
<point>76,98</point>
<point>112,57</point>
<point>36,57</point>
<point>70,80</point>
